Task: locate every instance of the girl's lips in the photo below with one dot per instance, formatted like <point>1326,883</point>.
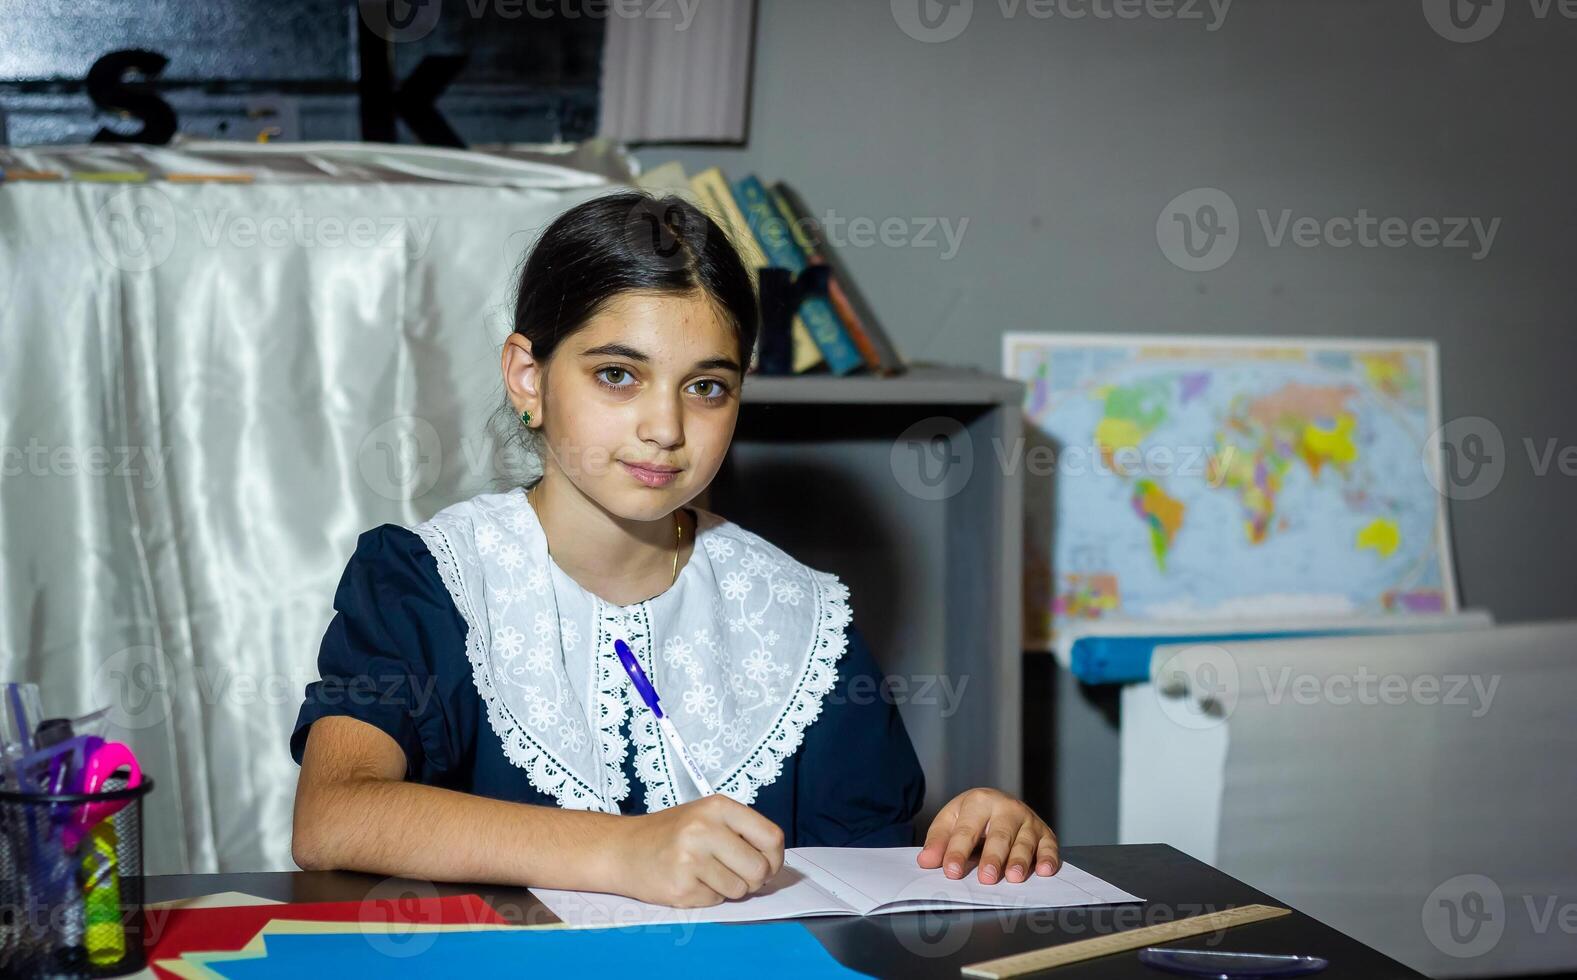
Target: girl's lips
<point>652,478</point>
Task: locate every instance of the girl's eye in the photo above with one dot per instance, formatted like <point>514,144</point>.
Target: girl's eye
<point>620,372</point>
<point>716,390</point>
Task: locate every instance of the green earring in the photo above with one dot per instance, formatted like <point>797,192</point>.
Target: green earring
<point>525,419</point>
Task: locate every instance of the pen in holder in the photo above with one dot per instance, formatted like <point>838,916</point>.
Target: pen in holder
<point>71,880</point>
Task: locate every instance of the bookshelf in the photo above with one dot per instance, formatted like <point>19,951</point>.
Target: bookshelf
<point>924,526</point>
<point>923,385</point>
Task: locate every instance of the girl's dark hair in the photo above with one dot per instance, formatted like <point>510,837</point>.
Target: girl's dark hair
<point>626,242</point>
<point>616,244</point>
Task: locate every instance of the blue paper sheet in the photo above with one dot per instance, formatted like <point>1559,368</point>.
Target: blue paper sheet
<point>696,952</point>
<point>1126,659</point>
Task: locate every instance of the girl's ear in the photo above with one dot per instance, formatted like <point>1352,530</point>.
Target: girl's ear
<point>523,376</point>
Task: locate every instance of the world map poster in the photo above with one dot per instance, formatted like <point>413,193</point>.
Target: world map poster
<point>1224,479</point>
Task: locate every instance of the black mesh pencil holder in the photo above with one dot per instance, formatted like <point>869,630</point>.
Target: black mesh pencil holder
<point>71,895</point>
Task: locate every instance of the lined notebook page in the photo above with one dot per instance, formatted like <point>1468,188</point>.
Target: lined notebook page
<point>788,895</point>
<point>893,882</point>
<point>819,881</point>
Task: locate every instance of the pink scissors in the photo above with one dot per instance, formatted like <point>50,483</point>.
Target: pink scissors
<point>101,764</point>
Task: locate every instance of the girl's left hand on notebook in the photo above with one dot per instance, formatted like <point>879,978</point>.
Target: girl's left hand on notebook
<point>1013,838</point>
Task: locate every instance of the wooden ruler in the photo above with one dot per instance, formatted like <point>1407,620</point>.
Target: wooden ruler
<point>1036,960</point>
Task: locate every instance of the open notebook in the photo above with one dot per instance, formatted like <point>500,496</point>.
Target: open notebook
<point>846,881</point>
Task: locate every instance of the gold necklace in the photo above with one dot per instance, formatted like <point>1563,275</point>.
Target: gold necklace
<point>678,537</point>
<point>678,543</point>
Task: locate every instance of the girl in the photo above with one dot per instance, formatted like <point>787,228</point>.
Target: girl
<point>473,722</point>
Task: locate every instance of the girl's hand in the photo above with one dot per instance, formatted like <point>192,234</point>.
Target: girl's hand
<point>1014,837</point>
<point>696,854</point>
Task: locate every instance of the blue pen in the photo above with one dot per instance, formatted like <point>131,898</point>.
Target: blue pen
<point>648,693</point>
<point>19,717</point>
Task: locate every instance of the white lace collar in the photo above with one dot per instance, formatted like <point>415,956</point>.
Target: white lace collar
<point>742,648</point>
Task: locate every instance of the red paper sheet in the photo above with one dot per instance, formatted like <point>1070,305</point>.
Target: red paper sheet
<point>175,931</point>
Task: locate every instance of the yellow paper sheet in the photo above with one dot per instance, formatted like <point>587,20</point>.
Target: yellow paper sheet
<point>219,900</point>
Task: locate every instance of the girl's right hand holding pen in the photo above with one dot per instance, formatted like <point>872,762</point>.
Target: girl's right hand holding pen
<point>696,854</point>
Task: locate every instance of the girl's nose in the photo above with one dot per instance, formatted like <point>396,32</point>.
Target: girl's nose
<point>662,422</point>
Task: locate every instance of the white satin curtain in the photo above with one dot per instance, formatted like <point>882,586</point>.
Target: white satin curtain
<point>677,71</point>
<point>207,391</point>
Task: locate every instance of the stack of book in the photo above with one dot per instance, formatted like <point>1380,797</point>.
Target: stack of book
<point>771,227</point>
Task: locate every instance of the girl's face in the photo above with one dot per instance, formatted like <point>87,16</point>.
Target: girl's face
<point>639,405</point>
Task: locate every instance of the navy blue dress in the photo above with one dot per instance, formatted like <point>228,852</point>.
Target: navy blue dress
<point>394,657</point>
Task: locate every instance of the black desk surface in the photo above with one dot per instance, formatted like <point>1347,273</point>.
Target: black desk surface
<point>931,944</point>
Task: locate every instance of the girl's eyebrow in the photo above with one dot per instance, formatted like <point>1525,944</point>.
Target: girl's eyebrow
<point>624,350</point>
